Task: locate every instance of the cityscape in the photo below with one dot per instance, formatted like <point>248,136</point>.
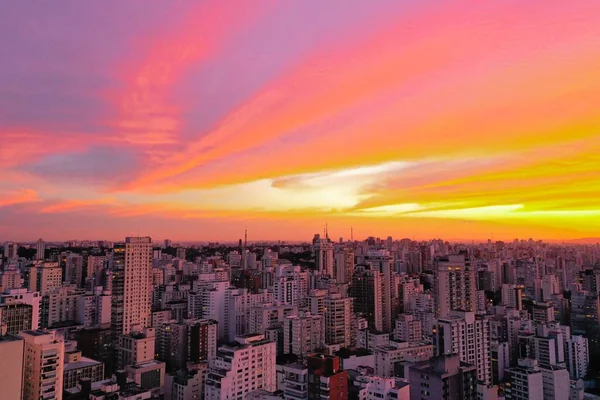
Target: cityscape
<point>324,319</point>
<point>300,200</point>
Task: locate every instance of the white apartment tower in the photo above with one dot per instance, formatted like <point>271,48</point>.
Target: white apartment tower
<point>303,334</point>
<point>43,365</point>
<point>132,285</point>
<point>467,335</point>
<point>455,285</point>
<point>242,368</point>
<point>338,320</point>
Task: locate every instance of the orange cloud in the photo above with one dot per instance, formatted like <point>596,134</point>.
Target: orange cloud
<point>20,196</point>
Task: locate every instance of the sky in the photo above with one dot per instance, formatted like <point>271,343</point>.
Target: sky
<point>193,120</point>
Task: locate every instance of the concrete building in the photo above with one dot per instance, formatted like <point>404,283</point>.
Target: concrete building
<point>136,347</point>
<point>238,303</point>
<point>12,296</point>
<point>149,375</point>
<point>338,319</point>
<point>367,291</point>
<point>324,256</point>
<point>526,382</point>
<point>512,296</point>
<point>344,265</point>
<point>16,317</point>
<point>185,385</point>
<point>132,278</point>
<point>10,279</point>
<point>45,277</point>
<point>303,334</point>
<point>387,357</point>
<point>443,378</point>
<point>577,356</point>
<point>60,306</point>
<point>11,373</point>
<point>93,308</point>
<point>295,382</point>
<point>43,363</point>
<point>408,328</point>
<point>77,367</point>
<point>378,388</point>
<point>326,379</point>
<point>455,285</point>
<point>382,261</point>
<point>468,336</point>
<point>242,368</point>
<point>290,285</point>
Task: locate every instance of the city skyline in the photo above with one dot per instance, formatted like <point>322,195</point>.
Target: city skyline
<point>192,120</point>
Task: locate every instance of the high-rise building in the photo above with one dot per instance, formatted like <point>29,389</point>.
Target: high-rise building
<point>526,382</point>
<point>132,285</point>
<point>16,317</point>
<point>11,250</point>
<point>324,258</point>
<point>338,319</point>
<point>577,356</point>
<point>60,306</point>
<point>10,279</point>
<point>242,368</point>
<point>11,366</point>
<point>77,367</point>
<point>13,296</point>
<point>383,262</point>
<point>93,308</point>
<point>40,247</point>
<point>468,336</point>
<point>45,277</point>
<point>303,334</point>
<point>326,379</point>
<point>186,385</point>
<point>43,363</point>
<point>344,265</point>
<point>295,382</point>
<point>136,347</point>
<point>455,285</point>
<point>367,291</point>
<point>290,285</point>
<point>443,378</point>
<point>408,328</point>
<point>512,296</point>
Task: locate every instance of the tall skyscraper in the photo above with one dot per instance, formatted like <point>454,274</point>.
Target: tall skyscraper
<point>43,365</point>
<point>455,285</point>
<point>132,285</point>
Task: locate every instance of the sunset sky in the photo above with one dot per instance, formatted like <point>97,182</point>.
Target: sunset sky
<point>195,119</point>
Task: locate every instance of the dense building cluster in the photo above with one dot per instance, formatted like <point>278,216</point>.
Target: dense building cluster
<point>369,320</point>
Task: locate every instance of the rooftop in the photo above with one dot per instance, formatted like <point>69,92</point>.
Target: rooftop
<point>82,363</point>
